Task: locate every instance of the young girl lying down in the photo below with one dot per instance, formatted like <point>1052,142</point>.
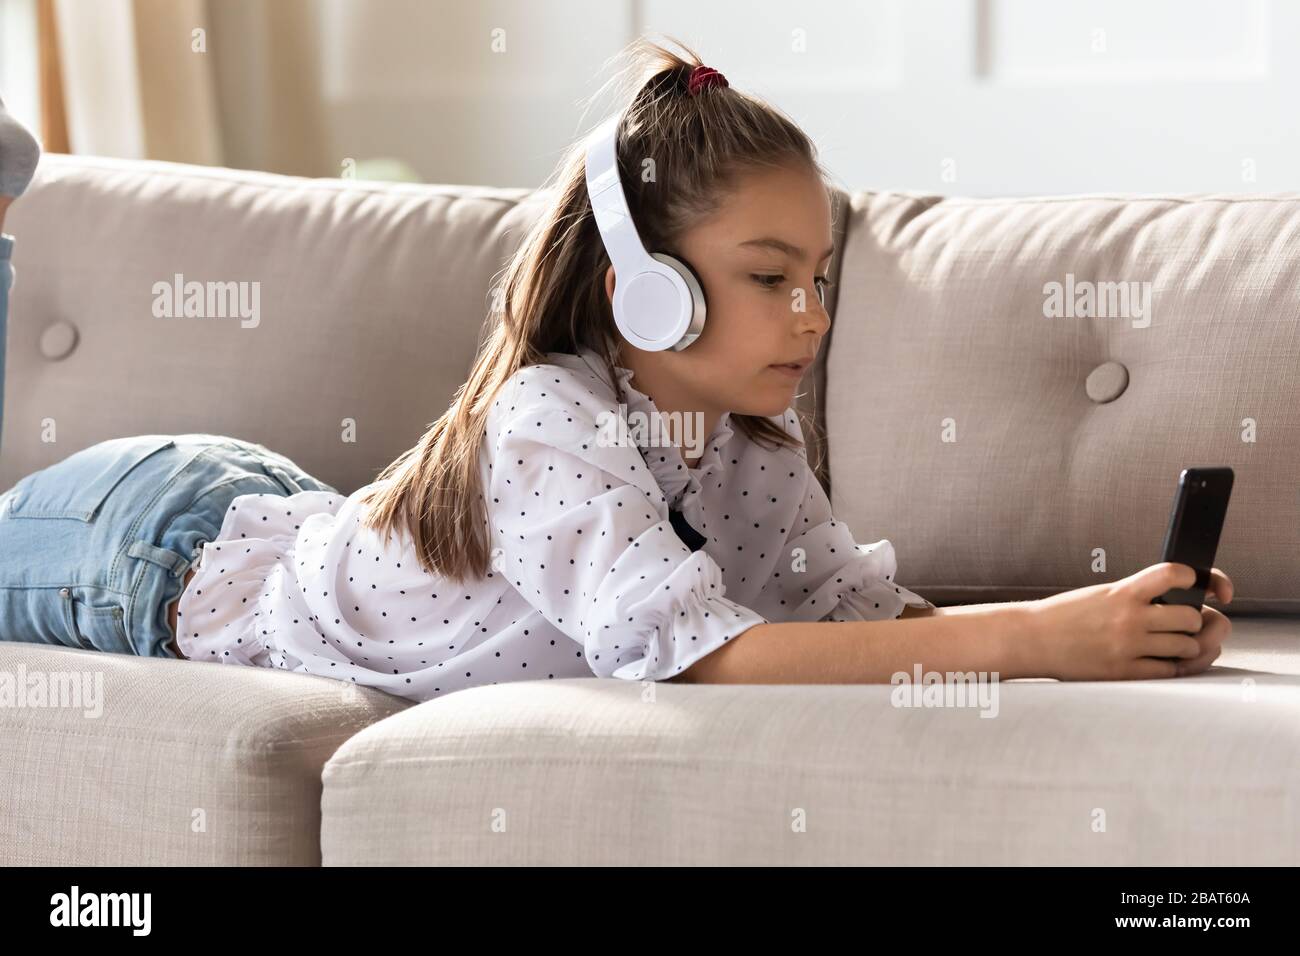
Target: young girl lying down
<point>522,538</point>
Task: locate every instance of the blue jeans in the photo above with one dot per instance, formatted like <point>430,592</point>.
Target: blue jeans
<point>94,548</point>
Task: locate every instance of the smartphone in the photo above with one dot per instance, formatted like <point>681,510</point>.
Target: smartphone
<point>1195,522</point>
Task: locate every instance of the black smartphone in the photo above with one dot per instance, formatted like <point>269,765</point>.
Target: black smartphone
<point>1195,522</point>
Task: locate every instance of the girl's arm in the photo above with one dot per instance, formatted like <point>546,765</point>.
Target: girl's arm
<point>1108,631</point>
<point>870,652</point>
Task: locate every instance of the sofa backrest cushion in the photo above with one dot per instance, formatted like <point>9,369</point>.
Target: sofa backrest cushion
<point>1009,438</point>
<point>371,300</point>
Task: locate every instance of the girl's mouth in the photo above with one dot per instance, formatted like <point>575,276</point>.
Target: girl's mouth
<point>793,370</point>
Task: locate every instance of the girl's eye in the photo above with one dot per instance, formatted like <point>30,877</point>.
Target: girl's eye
<point>771,282</point>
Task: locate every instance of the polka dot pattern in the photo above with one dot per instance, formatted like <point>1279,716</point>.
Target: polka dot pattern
<point>590,574</point>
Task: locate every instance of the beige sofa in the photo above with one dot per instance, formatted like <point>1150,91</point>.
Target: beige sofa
<point>1005,452</point>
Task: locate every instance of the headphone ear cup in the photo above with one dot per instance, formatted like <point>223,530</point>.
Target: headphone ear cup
<point>699,306</point>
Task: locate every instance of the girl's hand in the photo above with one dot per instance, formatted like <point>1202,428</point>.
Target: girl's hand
<point>1113,632</point>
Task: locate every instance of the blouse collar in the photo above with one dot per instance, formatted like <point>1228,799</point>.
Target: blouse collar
<point>666,462</point>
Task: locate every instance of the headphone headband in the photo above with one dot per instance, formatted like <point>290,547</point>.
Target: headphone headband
<point>609,202</point>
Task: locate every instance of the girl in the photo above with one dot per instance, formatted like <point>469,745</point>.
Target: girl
<point>522,538</point>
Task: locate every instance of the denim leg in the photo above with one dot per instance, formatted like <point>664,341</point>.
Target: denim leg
<point>94,548</point>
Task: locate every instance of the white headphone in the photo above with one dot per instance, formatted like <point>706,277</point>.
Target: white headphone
<point>658,301</point>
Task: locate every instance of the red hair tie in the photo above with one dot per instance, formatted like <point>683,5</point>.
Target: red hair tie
<point>702,77</point>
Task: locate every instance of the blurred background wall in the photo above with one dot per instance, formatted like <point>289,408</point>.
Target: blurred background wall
<point>973,97</point>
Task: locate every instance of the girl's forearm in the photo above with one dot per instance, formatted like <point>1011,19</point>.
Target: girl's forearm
<point>986,638</point>
<point>968,608</point>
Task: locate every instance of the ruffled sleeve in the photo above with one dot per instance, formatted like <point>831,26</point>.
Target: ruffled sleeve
<point>824,574</point>
<point>223,614</point>
<point>582,531</point>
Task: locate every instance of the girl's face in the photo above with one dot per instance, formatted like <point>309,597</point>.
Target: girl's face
<point>762,260</point>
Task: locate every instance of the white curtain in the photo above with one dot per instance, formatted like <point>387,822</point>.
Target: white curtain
<point>214,82</point>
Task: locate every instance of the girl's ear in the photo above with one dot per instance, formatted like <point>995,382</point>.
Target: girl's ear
<point>609,284</point>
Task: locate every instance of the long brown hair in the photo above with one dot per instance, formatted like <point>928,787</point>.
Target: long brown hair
<point>553,297</point>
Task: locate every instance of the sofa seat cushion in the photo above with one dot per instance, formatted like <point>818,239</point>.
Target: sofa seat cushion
<point>107,759</point>
<point>1194,771</point>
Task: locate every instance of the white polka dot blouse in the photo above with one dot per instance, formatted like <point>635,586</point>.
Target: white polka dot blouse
<point>611,557</point>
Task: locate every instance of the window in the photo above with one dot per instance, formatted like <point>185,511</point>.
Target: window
<point>19,61</point>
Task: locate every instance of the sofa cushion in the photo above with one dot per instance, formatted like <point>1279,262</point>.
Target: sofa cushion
<point>358,285</point>
<point>976,415</point>
<point>603,772</point>
<point>107,759</point>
